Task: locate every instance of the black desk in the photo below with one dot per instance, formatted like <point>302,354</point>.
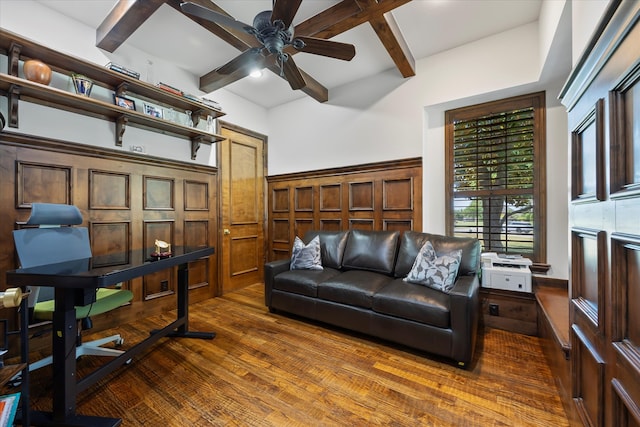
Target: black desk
<point>75,283</point>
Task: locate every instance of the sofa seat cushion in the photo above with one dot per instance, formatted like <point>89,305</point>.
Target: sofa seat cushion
<point>354,287</point>
<point>303,282</point>
<point>413,302</point>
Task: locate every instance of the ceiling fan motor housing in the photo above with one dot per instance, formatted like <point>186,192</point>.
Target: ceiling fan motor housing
<point>273,36</point>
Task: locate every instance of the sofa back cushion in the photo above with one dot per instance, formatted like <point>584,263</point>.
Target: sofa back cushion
<point>371,250</point>
<point>332,244</point>
<point>412,241</point>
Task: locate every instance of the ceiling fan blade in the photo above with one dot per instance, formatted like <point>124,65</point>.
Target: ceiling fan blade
<point>208,14</point>
<point>328,48</point>
<point>292,74</point>
<point>285,11</point>
<point>248,60</point>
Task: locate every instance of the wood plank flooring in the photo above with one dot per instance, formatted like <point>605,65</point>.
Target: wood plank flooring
<point>264,369</point>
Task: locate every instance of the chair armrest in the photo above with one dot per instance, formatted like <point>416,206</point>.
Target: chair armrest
<point>271,270</point>
<point>465,313</point>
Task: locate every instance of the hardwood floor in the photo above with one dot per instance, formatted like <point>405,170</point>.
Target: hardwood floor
<point>264,369</point>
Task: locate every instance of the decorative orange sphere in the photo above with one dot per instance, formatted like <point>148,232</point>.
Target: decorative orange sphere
<point>37,71</point>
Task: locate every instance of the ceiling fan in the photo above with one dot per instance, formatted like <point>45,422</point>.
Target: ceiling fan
<point>274,32</point>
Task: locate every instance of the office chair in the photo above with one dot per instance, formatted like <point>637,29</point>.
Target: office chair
<point>53,242</point>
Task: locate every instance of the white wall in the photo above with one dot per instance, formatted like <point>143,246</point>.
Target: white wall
<point>585,18</point>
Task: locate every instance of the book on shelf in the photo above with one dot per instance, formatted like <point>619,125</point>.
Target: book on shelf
<point>204,101</point>
<point>169,88</point>
<point>8,408</point>
<point>123,70</point>
<point>191,97</point>
<point>210,103</point>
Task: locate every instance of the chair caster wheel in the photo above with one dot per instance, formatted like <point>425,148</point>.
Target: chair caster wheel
<point>119,342</point>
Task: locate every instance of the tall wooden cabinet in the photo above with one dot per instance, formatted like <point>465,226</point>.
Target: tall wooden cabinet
<point>602,97</point>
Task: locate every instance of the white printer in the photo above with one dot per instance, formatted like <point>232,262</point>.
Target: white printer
<point>508,272</point>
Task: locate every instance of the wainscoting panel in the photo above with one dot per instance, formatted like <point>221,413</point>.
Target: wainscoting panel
<point>378,196</point>
<point>162,283</point>
<point>589,273</point>
<point>588,379</point>
<point>331,198</point>
<point>158,193</point>
<point>625,253</point>
<point>396,194</point>
<point>196,196</point>
<point>108,190</point>
<point>42,183</point>
<point>304,199</point>
<point>625,407</point>
<point>361,197</point>
<point>111,241</point>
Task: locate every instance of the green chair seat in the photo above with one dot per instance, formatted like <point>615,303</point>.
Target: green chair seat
<point>106,300</point>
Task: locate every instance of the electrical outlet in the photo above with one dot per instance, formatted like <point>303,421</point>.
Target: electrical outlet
<point>138,149</point>
<point>494,309</point>
<point>164,286</point>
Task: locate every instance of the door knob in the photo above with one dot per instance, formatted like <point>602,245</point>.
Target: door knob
<point>226,231</point>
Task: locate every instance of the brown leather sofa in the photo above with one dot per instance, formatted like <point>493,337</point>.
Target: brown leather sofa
<point>360,288</point>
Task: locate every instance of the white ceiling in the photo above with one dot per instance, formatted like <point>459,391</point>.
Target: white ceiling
<point>428,27</point>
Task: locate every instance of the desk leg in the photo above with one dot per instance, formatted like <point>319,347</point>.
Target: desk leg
<point>183,307</point>
<point>65,330</point>
<point>24,357</point>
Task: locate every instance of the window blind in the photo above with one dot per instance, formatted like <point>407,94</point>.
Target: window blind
<point>493,179</point>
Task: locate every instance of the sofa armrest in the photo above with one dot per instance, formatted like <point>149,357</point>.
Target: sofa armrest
<point>271,270</point>
<point>465,313</point>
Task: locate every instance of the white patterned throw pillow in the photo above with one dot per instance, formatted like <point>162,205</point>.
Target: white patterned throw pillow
<point>306,257</point>
<point>438,272</point>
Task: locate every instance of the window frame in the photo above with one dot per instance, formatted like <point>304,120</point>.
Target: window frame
<point>538,103</point>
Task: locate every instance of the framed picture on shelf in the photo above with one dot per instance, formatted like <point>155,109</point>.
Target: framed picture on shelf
<point>123,102</point>
<point>153,111</point>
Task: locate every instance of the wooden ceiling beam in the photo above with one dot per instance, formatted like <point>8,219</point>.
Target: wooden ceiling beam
<point>389,34</point>
<point>351,13</point>
<point>123,20</point>
<point>368,10</point>
<point>236,38</point>
<point>314,26</point>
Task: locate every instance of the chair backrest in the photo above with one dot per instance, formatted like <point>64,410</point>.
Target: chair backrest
<point>53,241</point>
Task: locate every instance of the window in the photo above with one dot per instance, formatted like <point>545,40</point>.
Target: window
<point>495,175</point>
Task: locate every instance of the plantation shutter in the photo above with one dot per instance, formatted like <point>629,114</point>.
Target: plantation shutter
<point>493,180</point>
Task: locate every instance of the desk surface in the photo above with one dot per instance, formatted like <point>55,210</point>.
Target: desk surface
<point>83,273</point>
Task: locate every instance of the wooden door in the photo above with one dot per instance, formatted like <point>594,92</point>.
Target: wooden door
<point>242,211</point>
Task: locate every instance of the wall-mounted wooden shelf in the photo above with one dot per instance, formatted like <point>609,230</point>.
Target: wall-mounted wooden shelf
<point>17,48</point>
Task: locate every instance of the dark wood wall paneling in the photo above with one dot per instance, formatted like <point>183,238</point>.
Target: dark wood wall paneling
<point>380,196</point>
<point>127,202</point>
<point>602,97</point>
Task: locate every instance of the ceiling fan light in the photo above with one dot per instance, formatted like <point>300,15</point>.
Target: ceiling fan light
<point>256,74</point>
